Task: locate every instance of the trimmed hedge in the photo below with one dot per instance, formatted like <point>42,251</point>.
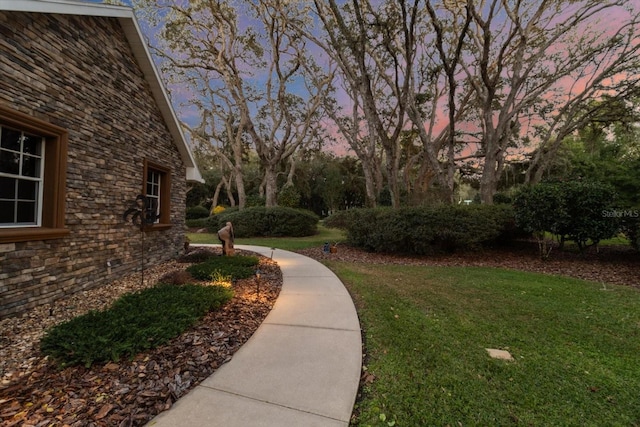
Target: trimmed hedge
<point>341,219</point>
<point>427,230</point>
<point>196,223</point>
<point>267,222</point>
<point>196,212</point>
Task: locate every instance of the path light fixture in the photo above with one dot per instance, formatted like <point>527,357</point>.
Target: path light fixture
<point>258,272</point>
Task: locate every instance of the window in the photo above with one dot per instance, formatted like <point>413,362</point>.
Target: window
<point>21,170</point>
<point>157,186</point>
<point>32,178</point>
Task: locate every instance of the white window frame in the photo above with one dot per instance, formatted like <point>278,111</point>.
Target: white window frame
<point>154,183</point>
<point>20,177</point>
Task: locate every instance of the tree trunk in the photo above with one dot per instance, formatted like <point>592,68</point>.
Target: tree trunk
<point>242,196</point>
<point>489,179</point>
<point>271,186</point>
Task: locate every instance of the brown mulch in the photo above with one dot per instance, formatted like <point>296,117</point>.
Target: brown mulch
<point>34,392</point>
<point>611,265</point>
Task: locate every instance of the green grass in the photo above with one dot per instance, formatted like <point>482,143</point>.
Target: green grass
<point>287,243</point>
<point>576,346</point>
<point>135,322</point>
<point>619,240</point>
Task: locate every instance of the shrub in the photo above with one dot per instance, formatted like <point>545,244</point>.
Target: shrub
<point>178,277</point>
<point>502,198</point>
<point>135,322</point>
<point>630,226</point>
<point>569,210</point>
<point>267,222</point>
<point>289,197</point>
<point>540,209</point>
<point>197,223</point>
<point>425,230</point>
<point>196,212</point>
<point>585,204</point>
<point>341,219</point>
<point>198,255</point>
<point>218,210</point>
<point>238,267</point>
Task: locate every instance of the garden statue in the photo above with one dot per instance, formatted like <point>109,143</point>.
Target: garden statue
<point>225,234</point>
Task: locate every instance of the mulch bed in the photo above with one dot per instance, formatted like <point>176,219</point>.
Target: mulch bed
<point>611,265</point>
<point>34,392</point>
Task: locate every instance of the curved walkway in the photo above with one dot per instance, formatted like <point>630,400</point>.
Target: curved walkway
<point>300,368</point>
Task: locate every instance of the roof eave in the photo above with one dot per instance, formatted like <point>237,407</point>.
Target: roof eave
<point>132,31</point>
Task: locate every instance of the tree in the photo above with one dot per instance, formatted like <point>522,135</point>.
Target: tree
<point>607,150</point>
<point>533,64</point>
<point>434,78</point>
<point>372,47</point>
<point>250,81</point>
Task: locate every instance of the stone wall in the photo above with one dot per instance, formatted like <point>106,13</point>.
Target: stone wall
<point>79,73</point>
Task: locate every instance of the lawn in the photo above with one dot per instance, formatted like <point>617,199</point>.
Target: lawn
<point>575,345</point>
<point>324,234</point>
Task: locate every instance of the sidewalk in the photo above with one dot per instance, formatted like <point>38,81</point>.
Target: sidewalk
<point>300,368</point>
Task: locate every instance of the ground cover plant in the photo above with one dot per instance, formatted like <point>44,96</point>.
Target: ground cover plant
<point>575,345</point>
<point>235,267</point>
<point>135,322</point>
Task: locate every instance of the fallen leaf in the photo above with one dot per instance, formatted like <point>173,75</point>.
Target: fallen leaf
<point>104,411</point>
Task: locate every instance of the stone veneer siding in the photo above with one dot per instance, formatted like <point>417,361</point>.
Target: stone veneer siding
<point>79,73</point>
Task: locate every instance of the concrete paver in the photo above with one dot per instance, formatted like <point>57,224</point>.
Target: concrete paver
<point>300,368</point>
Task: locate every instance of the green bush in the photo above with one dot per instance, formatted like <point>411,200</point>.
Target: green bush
<point>196,212</point>
<point>197,223</point>
<point>237,267</point>
<point>289,197</point>
<point>630,226</point>
<point>267,222</point>
<point>570,210</point>
<point>426,230</point>
<point>134,323</point>
<point>341,219</point>
<point>585,205</point>
<point>540,209</point>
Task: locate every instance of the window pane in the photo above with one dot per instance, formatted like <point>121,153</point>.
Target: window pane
<point>31,166</point>
<point>26,212</point>
<point>9,162</point>
<point>10,139</point>
<point>7,188</point>
<point>6,212</point>
<point>31,144</point>
<point>27,190</point>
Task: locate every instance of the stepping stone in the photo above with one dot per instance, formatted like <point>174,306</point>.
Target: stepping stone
<point>499,354</point>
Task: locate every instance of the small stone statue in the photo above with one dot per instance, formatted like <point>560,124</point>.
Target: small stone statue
<point>225,234</point>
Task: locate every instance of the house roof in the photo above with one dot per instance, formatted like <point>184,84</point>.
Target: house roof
<point>134,36</point>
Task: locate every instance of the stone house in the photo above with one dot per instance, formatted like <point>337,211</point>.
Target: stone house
<point>85,127</point>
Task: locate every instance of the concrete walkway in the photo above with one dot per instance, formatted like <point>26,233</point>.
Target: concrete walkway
<point>300,368</point>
